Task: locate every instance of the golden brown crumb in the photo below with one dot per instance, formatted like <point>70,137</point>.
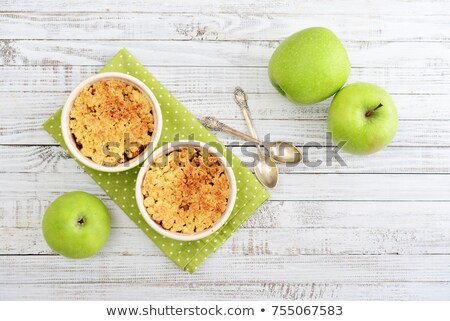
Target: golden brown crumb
<point>115,114</point>
<point>184,192</point>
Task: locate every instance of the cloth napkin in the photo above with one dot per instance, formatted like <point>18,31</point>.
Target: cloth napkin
<point>177,122</point>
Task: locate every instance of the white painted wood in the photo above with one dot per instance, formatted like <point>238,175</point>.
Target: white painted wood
<point>397,160</point>
<point>263,106</point>
<point>23,123</point>
<point>263,242</point>
<point>28,213</point>
<point>220,26</point>
<point>304,186</point>
<point>300,132</point>
<point>53,269</point>
<point>209,80</point>
<point>382,54</point>
<point>376,229</point>
<point>388,8</point>
<point>229,291</point>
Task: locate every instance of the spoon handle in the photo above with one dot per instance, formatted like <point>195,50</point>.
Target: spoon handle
<point>240,97</point>
<point>214,124</point>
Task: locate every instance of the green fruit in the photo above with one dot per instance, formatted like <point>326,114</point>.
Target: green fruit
<point>309,66</point>
<point>363,115</point>
<point>76,225</point>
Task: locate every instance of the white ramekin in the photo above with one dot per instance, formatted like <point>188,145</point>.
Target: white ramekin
<point>165,150</point>
<point>68,137</point>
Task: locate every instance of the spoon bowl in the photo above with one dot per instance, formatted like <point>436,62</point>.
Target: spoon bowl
<point>284,152</point>
<point>266,170</point>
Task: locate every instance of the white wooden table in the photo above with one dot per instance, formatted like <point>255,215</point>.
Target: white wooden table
<point>376,229</point>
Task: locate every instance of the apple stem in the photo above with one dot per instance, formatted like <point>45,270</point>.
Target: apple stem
<point>370,112</point>
<point>81,221</point>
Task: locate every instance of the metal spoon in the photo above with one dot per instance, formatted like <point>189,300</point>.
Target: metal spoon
<point>265,170</point>
<point>281,152</point>
<point>214,124</point>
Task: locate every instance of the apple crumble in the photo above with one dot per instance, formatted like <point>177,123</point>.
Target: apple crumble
<point>186,192</point>
<point>111,122</point>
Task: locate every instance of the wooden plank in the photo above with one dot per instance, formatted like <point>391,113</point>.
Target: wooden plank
<point>263,242</point>
<point>220,26</point>
<point>21,122</point>
<point>396,160</point>
<point>246,53</point>
<point>24,105</point>
<point>350,187</point>
<point>395,7</point>
<point>28,213</point>
<point>209,80</point>
<point>230,291</point>
<point>263,269</point>
<point>310,187</point>
<point>301,132</point>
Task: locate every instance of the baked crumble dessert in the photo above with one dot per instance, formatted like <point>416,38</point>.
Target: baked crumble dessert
<point>186,192</point>
<point>111,122</point>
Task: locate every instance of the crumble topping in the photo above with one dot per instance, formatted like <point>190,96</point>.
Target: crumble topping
<point>186,192</point>
<point>111,122</point>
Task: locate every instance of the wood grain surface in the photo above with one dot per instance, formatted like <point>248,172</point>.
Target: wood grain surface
<point>377,228</point>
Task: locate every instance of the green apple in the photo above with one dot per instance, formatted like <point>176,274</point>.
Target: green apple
<point>309,66</point>
<point>76,225</point>
<point>363,115</point>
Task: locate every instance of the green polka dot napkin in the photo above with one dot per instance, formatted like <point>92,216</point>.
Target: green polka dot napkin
<point>177,122</point>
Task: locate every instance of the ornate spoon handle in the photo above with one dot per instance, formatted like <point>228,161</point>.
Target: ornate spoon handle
<point>214,124</point>
<point>240,97</point>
